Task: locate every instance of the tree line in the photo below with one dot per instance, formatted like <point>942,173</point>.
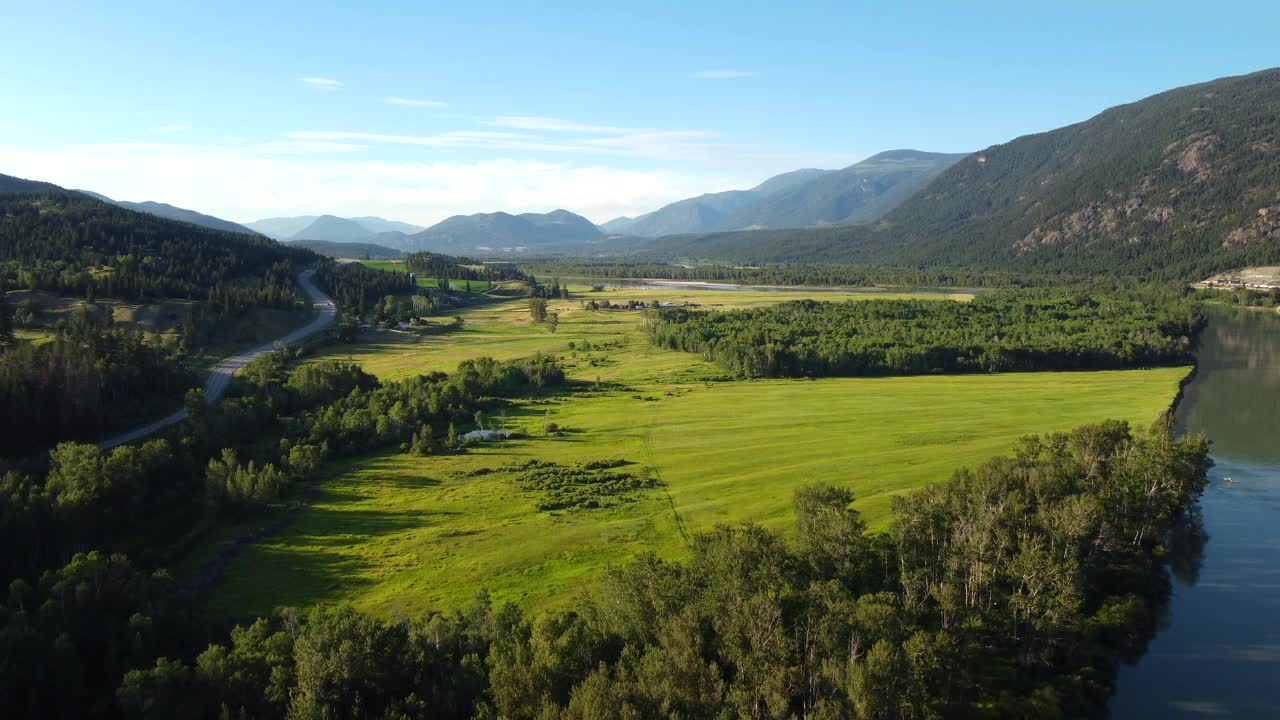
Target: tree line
<point>833,275</point>
<point>448,267</point>
<point>357,288</point>
<point>1010,590</point>
<point>998,332</point>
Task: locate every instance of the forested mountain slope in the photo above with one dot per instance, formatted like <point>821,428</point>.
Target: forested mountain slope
<point>71,243</point>
<point>858,194</point>
<point>10,184</point>
<point>1177,185</point>
<point>708,212</point>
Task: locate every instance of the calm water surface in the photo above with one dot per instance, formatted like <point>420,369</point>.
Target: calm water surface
<point>1218,655</point>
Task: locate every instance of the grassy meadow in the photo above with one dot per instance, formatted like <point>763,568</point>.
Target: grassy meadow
<point>426,282</point>
<point>394,533</point>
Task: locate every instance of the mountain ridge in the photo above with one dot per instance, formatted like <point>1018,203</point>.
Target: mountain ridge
<point>502,230</point>
<point>1180,184</point>
<point>859,193</point>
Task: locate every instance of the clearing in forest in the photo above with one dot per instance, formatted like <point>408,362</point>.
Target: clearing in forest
<point>396,533</point>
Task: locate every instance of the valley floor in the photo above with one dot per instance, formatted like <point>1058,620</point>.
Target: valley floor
<point>397,533</point>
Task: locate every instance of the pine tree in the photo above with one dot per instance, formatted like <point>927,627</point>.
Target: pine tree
<point>6,316</point>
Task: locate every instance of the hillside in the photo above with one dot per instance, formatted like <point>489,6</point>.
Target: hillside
<point>331,228</point>
<point>71,243</point>
<point>1178,185</point>
<point>707,212</point>
<point>500,230</point>
<point>174,213</point>
<point>860,193</point>
<point>281,228</point>
<point>370,251</point>
<point>382,225</point>
<point>10,184</point>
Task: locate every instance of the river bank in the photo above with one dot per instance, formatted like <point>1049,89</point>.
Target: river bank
<point>1217,651</point>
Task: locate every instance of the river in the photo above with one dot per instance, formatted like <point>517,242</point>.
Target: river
<point>1217,653</point>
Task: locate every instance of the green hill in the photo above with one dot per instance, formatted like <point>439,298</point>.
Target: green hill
<point>1177,185</point>
<point>72,243</point>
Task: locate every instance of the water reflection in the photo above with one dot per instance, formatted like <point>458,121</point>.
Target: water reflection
<point>1218,653</point>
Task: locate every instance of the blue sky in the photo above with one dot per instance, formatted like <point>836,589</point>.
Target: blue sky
<point>417,111</point>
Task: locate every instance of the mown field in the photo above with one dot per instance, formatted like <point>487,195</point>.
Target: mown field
<point>396,533</point>
<point>427,282</point>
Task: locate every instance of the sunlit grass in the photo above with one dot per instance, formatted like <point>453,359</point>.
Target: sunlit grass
<point>395,533</point>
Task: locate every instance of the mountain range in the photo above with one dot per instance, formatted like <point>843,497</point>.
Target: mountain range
<point>1177,185</point>
<point>860,193</point>
<point>504,231</point>
<point>330,228</point>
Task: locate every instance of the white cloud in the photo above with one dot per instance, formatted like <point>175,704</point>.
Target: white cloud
<point>251,182</point>
<point>722,74</point>
<point>414,103</point>
<point>321,83</point>
<point>594,140</point>
<point>527,122</point>
<point>170,128</point>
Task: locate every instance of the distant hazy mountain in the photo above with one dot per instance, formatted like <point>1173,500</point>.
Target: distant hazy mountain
<point>502,230</point>
<point>859,194</point>
<point>371,251</point>
<point>706,213</point>
<point>381,225</point>
<point>356,229</point>
<point>698,214</point>
<point>170,212</point>
<point>281,228</point>
<point>1177,186</point>
<point>332,228</point>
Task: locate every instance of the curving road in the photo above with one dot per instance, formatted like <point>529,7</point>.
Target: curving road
<point>220,376</point>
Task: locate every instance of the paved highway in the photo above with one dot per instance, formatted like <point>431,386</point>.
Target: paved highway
<point>220,377</point>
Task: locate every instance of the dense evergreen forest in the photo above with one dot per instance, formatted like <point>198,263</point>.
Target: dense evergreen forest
<point>1179,185</point>
<point>1012,590</point>
<point>435,265</point>
<point>88,380</point>
<point>1002,331</point>
<point>72,244</point>
<point>357,288</point>
<point>792,274</point>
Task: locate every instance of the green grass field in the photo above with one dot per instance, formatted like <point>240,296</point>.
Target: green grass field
<point>395,533</point>
<point>395,266</point>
